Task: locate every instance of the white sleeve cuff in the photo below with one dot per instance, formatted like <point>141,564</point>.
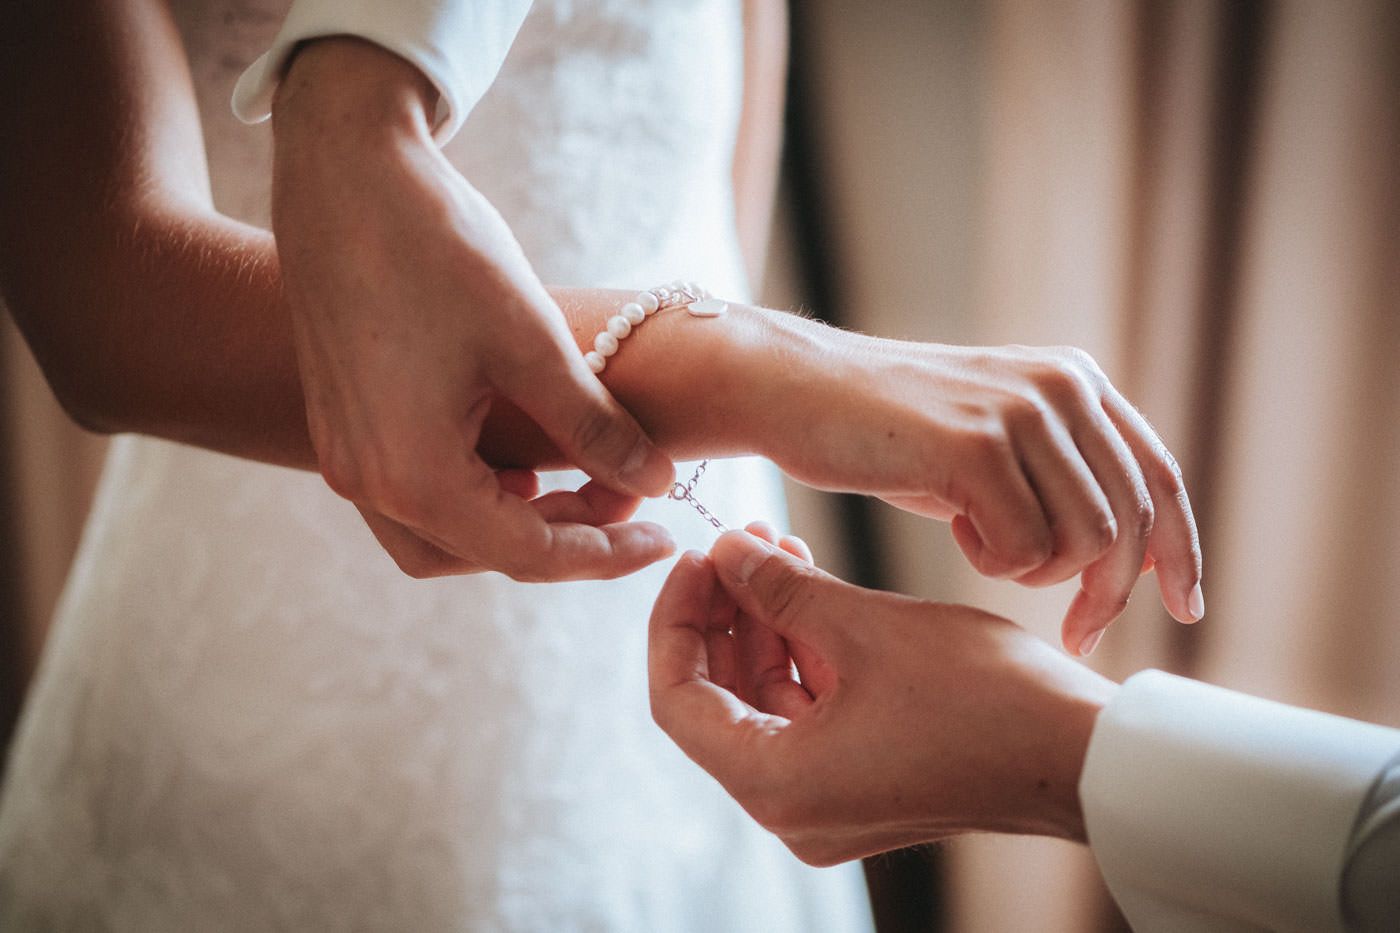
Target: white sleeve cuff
<point>458,44</point>
<point>1212,810</point>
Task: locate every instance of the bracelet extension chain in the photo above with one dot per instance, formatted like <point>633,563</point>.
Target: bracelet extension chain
<point>698,303</point>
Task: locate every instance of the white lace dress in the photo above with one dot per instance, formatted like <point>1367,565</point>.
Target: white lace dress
<point>247,719</point>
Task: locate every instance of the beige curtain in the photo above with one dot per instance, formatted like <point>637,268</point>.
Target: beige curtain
<point>1207,196</point>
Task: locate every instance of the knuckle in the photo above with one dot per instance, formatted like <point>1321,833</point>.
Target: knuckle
<point>1082,360</point>
<point>597,430</point>
<point>986,443</point>
<point>1142,517</point>
<point>1064,384</point>
<point>1088,540</point>
<point>1105,531</point>
<point>1037,547</point>
<point>787,591</point>
<point>1028,414</point>
<point>1115,604</point>
<point>1166,472</point>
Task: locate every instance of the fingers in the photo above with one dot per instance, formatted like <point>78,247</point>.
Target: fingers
<point>592,504</point>
<point>1081,517</point>
<point>794,599</point>
<point>1004,531</point>
<point>703,719</point>
<point>481,523</point>
<point>522,483</point>
<point>1174,547</point>
<point>764,661</point>
<point>790,543</point>
<point>592,430</point>
<point>1107,583</point>
<point>583,552</point>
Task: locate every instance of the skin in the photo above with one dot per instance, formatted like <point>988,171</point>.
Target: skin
<point>412,308</point>
<point>151,312</point>
<point>921,722</point>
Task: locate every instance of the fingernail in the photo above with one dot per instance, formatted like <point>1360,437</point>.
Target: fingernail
<point>1090,642</point>
<point>758,551</point>
<point>762,529</point>
<point>1196,603</point>
<point>692,554</point>
<point>803,546</point>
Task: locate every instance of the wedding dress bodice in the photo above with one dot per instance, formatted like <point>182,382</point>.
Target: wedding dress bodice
<point>247,718</point>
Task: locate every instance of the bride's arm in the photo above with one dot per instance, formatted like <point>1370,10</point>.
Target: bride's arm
<point>147,310</point>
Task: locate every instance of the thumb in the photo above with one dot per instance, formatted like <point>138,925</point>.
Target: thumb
<point>790,596</point>
<point>588,425</point>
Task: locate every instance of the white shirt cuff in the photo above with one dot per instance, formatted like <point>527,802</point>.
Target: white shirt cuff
<point>1211,810</point>
<point>458,44</point>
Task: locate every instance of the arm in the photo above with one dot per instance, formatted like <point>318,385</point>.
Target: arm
<point>148,310</point>
<point>115,142</point>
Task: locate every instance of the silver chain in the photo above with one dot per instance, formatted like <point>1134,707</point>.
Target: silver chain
<point>685,492</point>
<point>666,297</point>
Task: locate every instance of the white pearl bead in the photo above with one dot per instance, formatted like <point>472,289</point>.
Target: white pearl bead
<point>648,302</point>
<point>595,361</point>
<point>619,326</point>
<point>605,343</point>
<point>633,313</point>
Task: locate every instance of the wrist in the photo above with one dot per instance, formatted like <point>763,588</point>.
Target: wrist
<point>696,385</point>
<point>1063,699</point>
<point>351,88</point>
<point>780,365</point>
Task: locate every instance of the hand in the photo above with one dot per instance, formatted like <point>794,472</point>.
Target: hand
<point>412,306</point>
<point>1044,469</point>
<point>911,721</point>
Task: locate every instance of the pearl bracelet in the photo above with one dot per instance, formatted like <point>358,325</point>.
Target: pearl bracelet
<point>653,301</point>
<point>698,303</point>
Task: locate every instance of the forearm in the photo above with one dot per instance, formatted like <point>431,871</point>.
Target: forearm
<point>170,322</point>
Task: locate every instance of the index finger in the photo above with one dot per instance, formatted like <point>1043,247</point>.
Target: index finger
<point>700,717</point>
<point>476,519</point>
<point>1174,545</point>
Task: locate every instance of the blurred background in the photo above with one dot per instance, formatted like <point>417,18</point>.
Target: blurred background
<point>1203,194</point>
